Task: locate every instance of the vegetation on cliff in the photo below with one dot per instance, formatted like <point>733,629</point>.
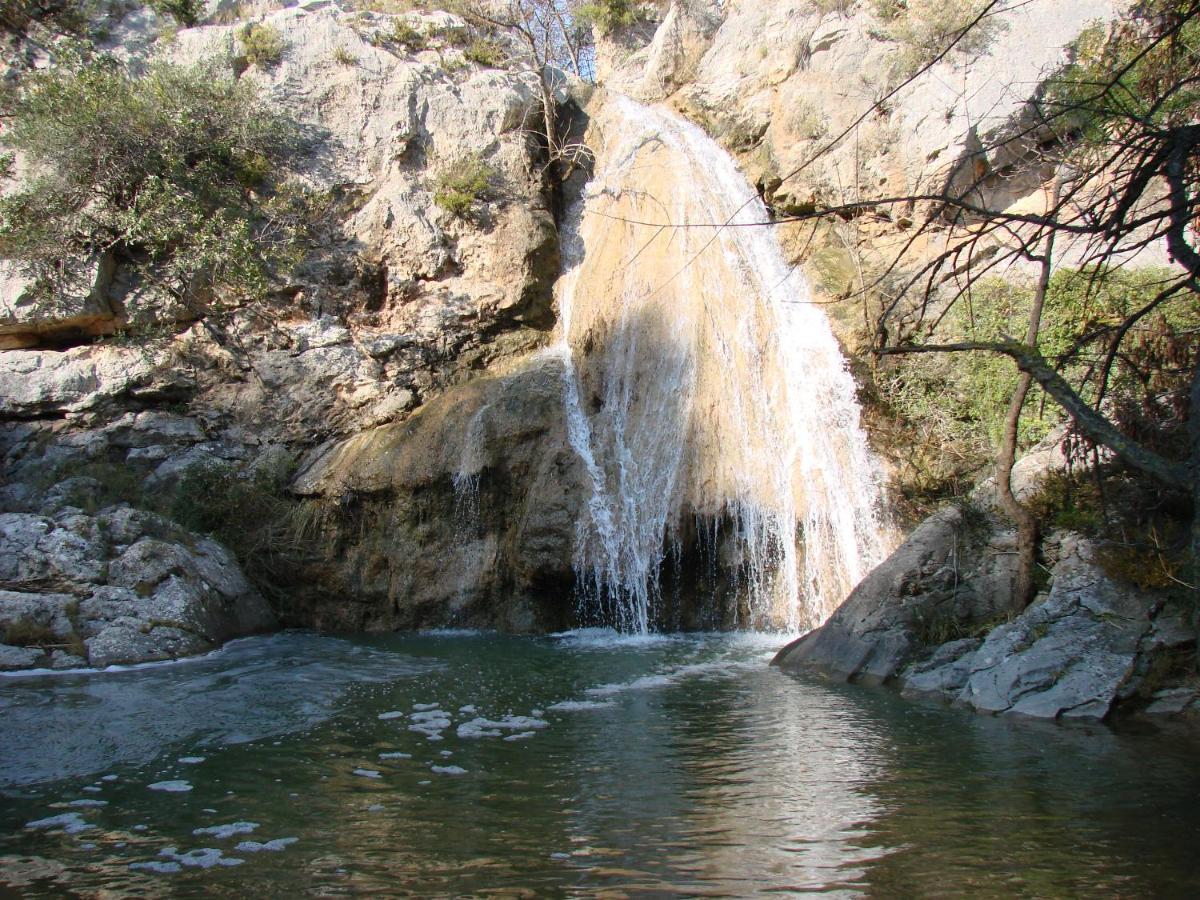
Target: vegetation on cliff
<point>161,173</point>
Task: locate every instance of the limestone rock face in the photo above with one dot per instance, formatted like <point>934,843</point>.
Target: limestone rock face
<point>468,508</point>
<point>777,79</point>
<point>120,586</point>
<point>396,296</point>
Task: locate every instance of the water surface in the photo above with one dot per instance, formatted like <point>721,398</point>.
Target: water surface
<point>448,764</point>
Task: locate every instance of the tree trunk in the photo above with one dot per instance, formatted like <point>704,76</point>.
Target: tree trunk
<point>1027,524</point>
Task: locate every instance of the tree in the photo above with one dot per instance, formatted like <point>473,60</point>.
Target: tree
<point>1125,145</point>
<point>158,174</point>
<point>553,36</point>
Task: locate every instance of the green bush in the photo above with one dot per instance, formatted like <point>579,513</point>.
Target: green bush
<point>608,15</point>
<point>406,36</point>
<point>185,12</point>
<point>344,57</point>
<point>262,45</point>
<point>25,632</point>
<point>486,53</point>
<point>461,184</point>
<point>154,171</point>
<point>926,28</point>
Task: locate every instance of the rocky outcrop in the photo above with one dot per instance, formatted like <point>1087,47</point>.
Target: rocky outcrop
<point>119,586</point>
<point>775,81</point>
<point>396,297</point>
<point>938,619</point>
<point>463,515</point>
<point>396,300</point>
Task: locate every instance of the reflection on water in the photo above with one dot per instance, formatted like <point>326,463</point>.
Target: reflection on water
<point>576,764</point>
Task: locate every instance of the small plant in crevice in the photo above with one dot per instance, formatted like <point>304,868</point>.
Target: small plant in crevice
<point>485,53</point>
<point>262,45</point>
<point>25,632</point>
<point>462,184</point>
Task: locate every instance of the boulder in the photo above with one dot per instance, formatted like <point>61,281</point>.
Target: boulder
<point>121,586</point>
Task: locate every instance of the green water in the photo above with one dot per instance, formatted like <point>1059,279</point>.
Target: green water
<point>673,767</point>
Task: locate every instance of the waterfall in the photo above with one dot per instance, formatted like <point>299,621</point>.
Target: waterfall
<point>701,386</point>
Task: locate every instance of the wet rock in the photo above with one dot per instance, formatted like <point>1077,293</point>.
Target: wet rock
<point>953,571</point>
<point>128,641</point>
<point>16,658</point>
<point>1077,651</point>
<point>60,659</point>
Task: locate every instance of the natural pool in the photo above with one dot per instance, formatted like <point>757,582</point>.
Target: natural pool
<point>444,764</point>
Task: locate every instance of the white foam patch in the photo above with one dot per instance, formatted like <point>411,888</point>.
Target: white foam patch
<point>108,777</point>
<point>269,846</point>
<point>92,789</point>
<point>610,639</point>
<point>448,770</point>
<point>467,710</point>
<point>425,707</point>
<point>161,868</point>
<point>200,858</point>
<point>171,787</point>
<point>70,823</point>
<point>520,736</point>
<point>394,714</point>
<point>580,705</point>
<point>431,715</point>
<point>430,722</point>
<point>480,727</point>
<point>191,760</point>
<point>367,773</point>
<point>223,832</point>
<point>88,803</point>
<point>396,755</point>
<point>454,632</point>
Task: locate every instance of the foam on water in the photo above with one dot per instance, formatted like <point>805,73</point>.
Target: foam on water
<point>200,858</point>
<point>171,787</point>
<point>224,832</point>
<point>580,705</point>
<point>70,823</point>
<point>273,846</point>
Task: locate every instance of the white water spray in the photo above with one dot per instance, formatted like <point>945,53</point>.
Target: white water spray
<point>701,384</point>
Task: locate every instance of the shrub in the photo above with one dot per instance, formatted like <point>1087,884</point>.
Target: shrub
<point>185,12</point>
<point>153,171</point>
<point>407,36</point>
<point>461,184</point>
<point>25,632</point>
<point>925,28</point>
<point>486,53</point>
<point>608,15</point>
<point>262,45</point>
<point>344,57</point>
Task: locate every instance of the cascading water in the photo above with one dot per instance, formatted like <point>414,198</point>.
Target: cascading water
<point>701,385</point>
